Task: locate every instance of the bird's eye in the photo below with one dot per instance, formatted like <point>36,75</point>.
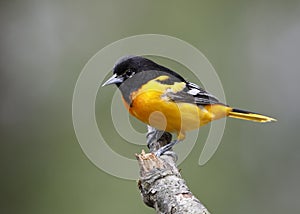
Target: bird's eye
<point>129,73</point>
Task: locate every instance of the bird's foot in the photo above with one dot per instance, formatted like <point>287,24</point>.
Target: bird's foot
<point>166,148</point>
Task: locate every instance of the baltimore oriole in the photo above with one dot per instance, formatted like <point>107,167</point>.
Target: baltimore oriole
<point>163,99</point>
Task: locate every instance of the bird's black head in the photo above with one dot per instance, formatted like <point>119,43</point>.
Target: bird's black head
<point>127,66</point>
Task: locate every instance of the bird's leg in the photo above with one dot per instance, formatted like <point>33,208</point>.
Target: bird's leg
<point>165,148</point>
<point>153,136</point>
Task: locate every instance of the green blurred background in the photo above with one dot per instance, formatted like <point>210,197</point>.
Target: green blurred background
<point>254,47</point>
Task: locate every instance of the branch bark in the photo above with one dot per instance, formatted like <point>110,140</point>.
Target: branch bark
<point>160,183</point>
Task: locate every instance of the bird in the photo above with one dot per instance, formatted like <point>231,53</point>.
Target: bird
<point>163,99</point>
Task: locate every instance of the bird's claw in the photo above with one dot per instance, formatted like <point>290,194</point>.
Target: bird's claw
<point>165,148</point>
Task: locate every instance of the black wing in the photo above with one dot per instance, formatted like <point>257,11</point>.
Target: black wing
<point>192,93</point>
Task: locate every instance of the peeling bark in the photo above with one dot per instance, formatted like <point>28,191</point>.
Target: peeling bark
<point>160,183</point>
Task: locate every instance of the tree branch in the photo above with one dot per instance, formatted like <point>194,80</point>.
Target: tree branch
<point>160,183</point>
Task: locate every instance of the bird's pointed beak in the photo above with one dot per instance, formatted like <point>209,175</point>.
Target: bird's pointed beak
<point>113,80</point>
